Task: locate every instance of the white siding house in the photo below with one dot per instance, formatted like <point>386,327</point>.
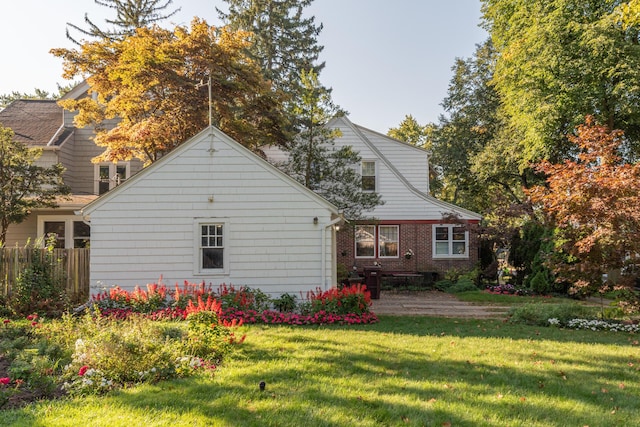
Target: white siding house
<point>212,211</point>
<point>410,221</point>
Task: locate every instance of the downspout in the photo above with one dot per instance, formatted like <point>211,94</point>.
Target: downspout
<point>329,226</point>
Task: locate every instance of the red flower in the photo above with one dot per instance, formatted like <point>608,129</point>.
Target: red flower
<point>7,321</point>
<point>5,380</point>
<point>83,370</point>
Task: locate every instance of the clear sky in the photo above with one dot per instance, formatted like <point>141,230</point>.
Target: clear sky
<point>384,58</point>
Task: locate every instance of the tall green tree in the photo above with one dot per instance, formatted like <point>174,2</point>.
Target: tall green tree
<point>315,161</point>
<point>150,81</point>
<point>409,130</point>
<point>283,42</point>
<point>130,14</point>
<point>467,144</point>
<point>24,186</point>
<point>559,61</point>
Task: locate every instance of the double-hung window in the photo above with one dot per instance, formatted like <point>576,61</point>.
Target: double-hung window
<point>388,241</point>
<point>211,246</point>
<point>450,241</point>
<point>368,172</point>
<point>380,241</point>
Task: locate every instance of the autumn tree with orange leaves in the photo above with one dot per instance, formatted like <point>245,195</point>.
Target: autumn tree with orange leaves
<point>155,83</point>
<point>593,201</point>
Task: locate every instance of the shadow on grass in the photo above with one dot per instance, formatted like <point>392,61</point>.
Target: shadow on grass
<point>493,328</point>
<point>366,377</point>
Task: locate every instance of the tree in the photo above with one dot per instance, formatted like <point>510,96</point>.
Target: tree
<point>469,144</point>
<point>24,186</point>
<point>314,160</point>
<point>284,43</point>
<point>130,15</point>
<point>559,61</point>
<point>7,98</point>
<point>409,130</point>
<point>593,200</point>
<point>150,81</point>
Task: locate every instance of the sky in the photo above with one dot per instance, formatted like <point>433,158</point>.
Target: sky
<point>385,59</point>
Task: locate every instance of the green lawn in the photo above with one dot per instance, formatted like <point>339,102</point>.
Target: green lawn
<point>413,371</point>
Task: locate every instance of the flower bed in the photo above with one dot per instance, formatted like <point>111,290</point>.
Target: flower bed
<point>509,289</point>
<point>345,306</point>
<point>596,325</point>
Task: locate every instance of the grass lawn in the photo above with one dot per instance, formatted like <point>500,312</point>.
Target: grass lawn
<point>403,371</point>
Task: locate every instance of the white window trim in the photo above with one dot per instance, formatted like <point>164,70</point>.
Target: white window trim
<point>375,174</point>
<point>450,255</point>
<point>112,172</point>
<point>197,238</point>
<point>376,243</point>
<point>68,226</point>
<point>397,227</point>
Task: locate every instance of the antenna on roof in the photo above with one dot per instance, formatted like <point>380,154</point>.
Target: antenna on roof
<point>199,85</point>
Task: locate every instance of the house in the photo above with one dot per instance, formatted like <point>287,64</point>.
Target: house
<point>212,211</point>
<point>44,124</point>
<point>412,232</point>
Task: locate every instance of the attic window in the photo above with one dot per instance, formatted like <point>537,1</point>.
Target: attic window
<point>368,175</point>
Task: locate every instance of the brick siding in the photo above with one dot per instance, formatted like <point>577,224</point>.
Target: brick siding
<point>416,236</point>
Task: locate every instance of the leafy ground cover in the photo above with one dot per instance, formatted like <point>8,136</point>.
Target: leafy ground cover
<point>401,371</point>
<point>146,336</point>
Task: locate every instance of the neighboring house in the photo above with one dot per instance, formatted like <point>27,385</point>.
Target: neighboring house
<point>44,124</point>
<point>412,231</point>
<point>212,211</point>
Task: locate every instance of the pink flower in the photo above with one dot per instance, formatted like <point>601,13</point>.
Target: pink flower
<point>5,380</point>
<point>33,316</point>
<point>83,370</point>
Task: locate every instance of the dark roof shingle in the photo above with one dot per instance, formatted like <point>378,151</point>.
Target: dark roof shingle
<point>34,122</point>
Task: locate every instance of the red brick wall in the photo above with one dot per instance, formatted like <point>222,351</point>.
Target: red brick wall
<point>414,235</point>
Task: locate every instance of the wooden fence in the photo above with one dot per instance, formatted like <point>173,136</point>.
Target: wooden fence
<point>70,265</point>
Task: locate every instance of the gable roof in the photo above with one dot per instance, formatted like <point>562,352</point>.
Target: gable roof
<point>36,122</point>
<point>256,159</point>
<point>360,132</point>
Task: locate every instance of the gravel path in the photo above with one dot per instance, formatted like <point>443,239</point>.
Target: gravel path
<point>433,304</point>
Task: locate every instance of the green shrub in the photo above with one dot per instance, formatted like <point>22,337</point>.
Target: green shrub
<point>443,285</point>
<point>453,274</point>
<point>40,287</point>
<point>285,303</point>
<point>242,298</point>
<point>538,314</point>
<point>541,283</point>
<point>463,284</point>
